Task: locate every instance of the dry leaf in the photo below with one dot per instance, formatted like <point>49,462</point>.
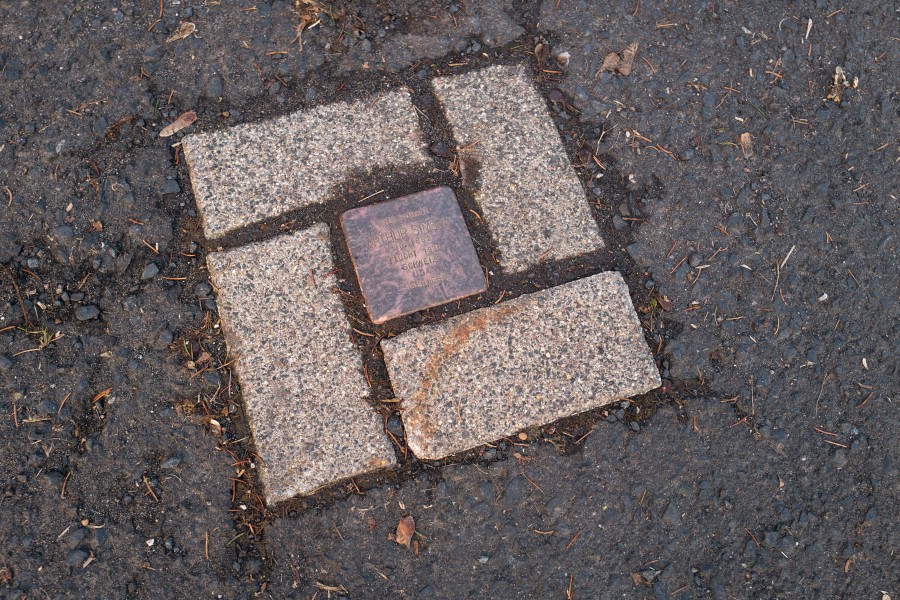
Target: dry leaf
<point>215,427</point>
<point>628,55</point>
<point>745,140</point>
<point>96,226</point>
<point>184,30</point>
<point>619,64</point>
<point>405,530</point>
<point>849,563</point>
<point>611,62</point>
<point>541,52</point>
<point>521,458</point>
<point>839,84</point>
<point>178,124</point>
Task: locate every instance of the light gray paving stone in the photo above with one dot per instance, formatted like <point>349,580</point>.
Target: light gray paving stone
<point>487,374</point>
<point>527,189</point>
<point>255,171</point>
<point>301,377</point>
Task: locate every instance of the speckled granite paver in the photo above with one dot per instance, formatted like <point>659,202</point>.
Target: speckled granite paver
<point>300,375</point>
<point>529,193</point>
<point>486,374</point>
<point>255,171</point>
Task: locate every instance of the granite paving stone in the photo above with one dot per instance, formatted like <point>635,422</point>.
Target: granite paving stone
<point>300,374</point>
<point>256,171</point>
<point>527,189</point>
<point>526,362</point>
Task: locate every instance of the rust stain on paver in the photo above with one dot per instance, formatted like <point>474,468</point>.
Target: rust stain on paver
<point>455,341</point>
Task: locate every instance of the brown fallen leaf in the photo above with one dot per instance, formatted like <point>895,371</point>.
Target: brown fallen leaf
<point>178,124</point>
<point>614,63</point>
<point>745,141</point>
<point>839,84</point>
<point>628,55</point>
<point>611,62</point>
<point>96,226</point>
<point>214,427</point>
<point>185,29</point>
<point>541,52</point>
<point>406,528</point>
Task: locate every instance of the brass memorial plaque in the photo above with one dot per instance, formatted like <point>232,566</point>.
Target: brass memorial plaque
<point>412,253</point>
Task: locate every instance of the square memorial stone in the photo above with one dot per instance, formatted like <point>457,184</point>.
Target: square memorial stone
<point>412,253</point>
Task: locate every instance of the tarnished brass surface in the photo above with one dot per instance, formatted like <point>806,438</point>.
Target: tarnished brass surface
<point>412,253</point>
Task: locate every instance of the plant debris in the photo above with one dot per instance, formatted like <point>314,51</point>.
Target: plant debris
<point>184,30</point>
<point>839,84</point>
<point>541,52</point>
<point>337,589</point>
<point>611,62</point>
<point>184,120</point>
<point>745,141</point>
<point>406,528</point>
<point>621,65</point>
<point>309,11</point>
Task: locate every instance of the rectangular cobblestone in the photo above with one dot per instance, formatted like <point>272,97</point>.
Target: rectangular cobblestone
<point>527,189</point>
<point>489,373</point>
<point>300,375</point>
<point>255,171</point>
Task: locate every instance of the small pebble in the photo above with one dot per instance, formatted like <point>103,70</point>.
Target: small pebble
<point>202,290</point>
<point>86,313</point>
<point>171,463</point>
<point>839,459</point>
<point>442,150</point>
<point>169,188</point>
<point>150,271</point>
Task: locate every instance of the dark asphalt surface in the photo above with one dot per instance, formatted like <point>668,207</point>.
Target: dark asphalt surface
<point>766,277</point>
